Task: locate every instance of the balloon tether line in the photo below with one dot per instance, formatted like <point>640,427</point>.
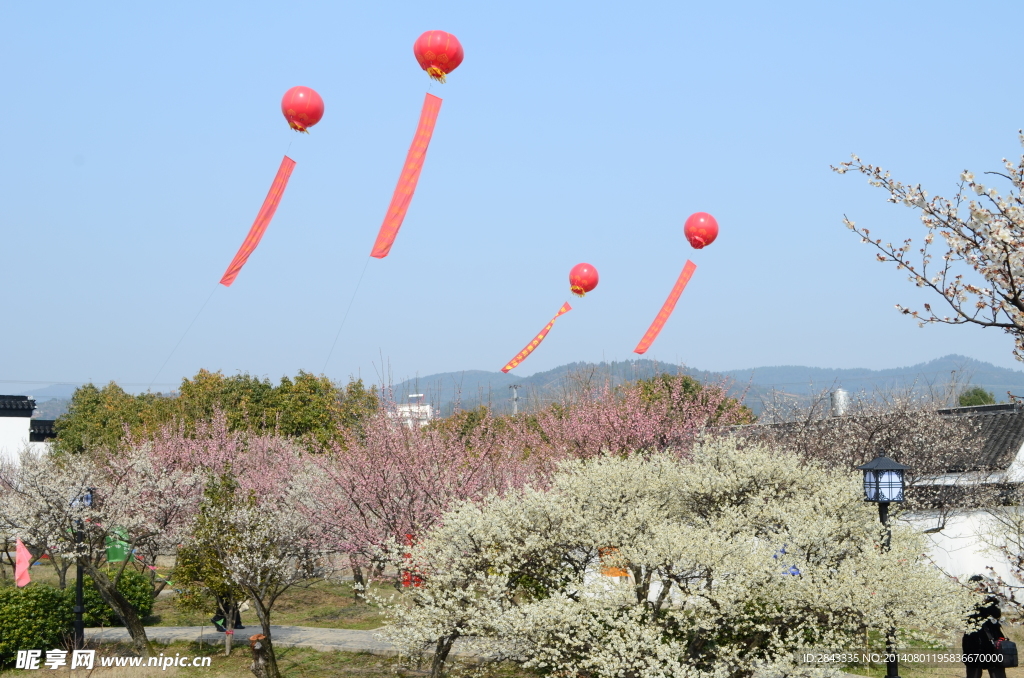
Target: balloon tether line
<point>345,317</point>
<point>184,334</point>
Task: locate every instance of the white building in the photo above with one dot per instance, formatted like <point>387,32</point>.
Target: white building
<point>415,414</point>
<point>962,547</point>
<point>960,528</point>
<point>18,431</point>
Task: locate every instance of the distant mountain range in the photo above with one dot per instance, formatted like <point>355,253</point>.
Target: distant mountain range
<point>451,390</point>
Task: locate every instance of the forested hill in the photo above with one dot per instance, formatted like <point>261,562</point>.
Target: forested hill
<point>470,388</point>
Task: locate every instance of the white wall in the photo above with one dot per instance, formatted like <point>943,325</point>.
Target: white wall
<point>960,549</point>
<point>13,437</point>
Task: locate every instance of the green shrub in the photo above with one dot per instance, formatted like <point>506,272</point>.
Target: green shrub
<point>134,586</point>
<point>36,617</point>
<point>976,396</point>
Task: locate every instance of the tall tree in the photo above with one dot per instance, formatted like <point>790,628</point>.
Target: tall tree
<point>388,484</point>
<point>98,417</point>
<point>203,583</point>
<point>306,406</point>
<point>267,544</point>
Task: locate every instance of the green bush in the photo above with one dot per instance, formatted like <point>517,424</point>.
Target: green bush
<point>976,396</point>
<point>134,586</point>
<point>36,617</point>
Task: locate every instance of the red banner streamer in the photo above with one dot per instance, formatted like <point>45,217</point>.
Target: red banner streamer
<point>666,309</point>
<point>536,340</point>
<point>408,179</point>
<point>22,563</point>
<point>284,172</point>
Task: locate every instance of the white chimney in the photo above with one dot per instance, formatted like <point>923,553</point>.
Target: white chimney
<point>840,402</point>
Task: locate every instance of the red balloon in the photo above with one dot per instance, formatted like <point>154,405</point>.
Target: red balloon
<point>701,229</point>
<point>582,279</point>
<point>302,108</point>
<point>438,53</point>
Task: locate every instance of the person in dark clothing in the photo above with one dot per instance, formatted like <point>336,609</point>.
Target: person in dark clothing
<point>220,619</point>
<point>979,643</point>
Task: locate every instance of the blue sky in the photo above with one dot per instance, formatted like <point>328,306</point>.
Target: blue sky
<point>140,139</point>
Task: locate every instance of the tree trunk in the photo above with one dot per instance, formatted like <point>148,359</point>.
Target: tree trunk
<point>260,661</point>
<point>62,570</point>
<point>444,646</point>
<point>269,661</point>
<point>229,623</point>
<point>117,602</point>
<point>5,552</point>
<point>358,579</point>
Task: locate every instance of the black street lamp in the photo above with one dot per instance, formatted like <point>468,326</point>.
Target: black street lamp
<point>884,483</point>
<point>79,632</point>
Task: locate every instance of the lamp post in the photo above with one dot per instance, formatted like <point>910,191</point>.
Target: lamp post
<point>84,500</point>
<point>515,398</point>
<point>884,483</point>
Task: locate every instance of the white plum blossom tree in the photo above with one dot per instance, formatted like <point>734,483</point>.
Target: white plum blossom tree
<point>737,559</point>
<point>130,499</point>
<point>979,269</point>
<point>267,544</point>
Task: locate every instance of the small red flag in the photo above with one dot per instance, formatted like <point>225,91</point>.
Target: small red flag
<point>536,340</point>
<point>666,309</point>
<point>22,561</point>
<point>408,178</point>
<point>284,172</point>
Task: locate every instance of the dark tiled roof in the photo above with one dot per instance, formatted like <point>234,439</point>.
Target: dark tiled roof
<point>41,430</point>
<point>1001,431</point>
<point>1000,435</point>
<point>16,406</point>
<point>981,409</point>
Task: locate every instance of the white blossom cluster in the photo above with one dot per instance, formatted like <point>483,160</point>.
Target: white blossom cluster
<point>75,506</point>
<point>46,500</point>
<point>983,236</point>
<point>737,558</point>
<point>268,543</point>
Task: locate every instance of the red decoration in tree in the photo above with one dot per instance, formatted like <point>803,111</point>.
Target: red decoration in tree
<point>701,229</point>
<point>438,53</point>
<point>302,108</point>
<point>582,279</point>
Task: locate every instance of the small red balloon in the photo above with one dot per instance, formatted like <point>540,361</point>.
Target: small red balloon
<point>302,108</point>
<point>701,229</point>
<point>582,279</point>
<point>438,53</point>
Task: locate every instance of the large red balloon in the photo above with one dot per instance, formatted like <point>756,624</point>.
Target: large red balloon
<point>438,53</point>
<point>582,279</point>
<point>701,229</point>
<point>302,108</point>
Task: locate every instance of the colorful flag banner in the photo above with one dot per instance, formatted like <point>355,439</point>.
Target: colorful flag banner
<point>284,172</point>
<point>666,309</point>
<point>21,564</point>
<point>407,180</point>
<point>536,340</point>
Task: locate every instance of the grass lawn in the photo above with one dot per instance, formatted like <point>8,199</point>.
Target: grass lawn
<point>323,604</point>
